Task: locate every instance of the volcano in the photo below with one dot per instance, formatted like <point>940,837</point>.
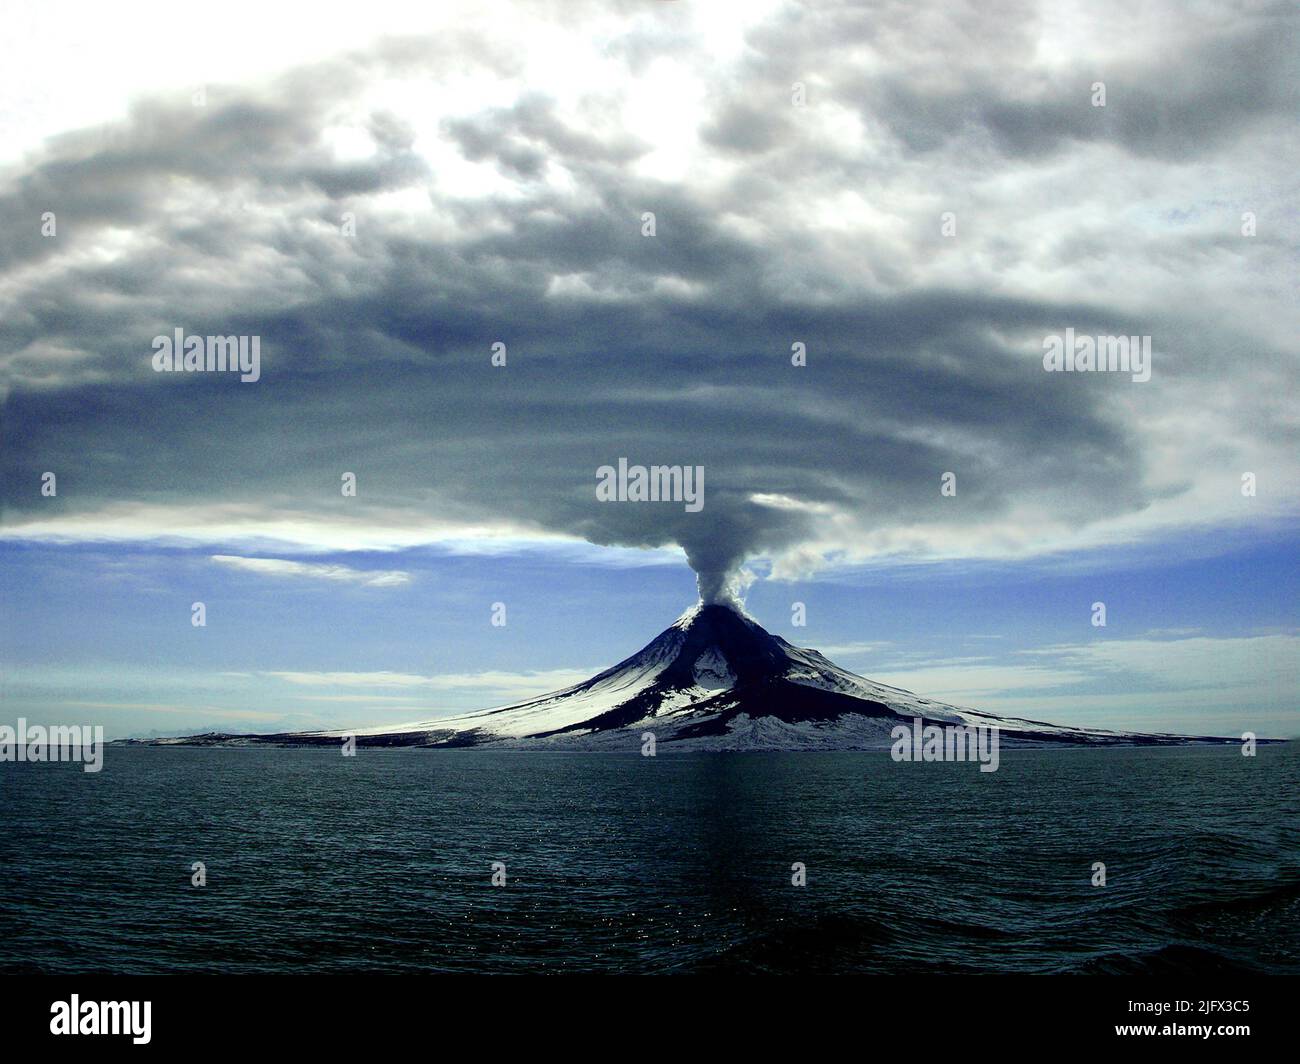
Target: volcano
<point>713,680</point>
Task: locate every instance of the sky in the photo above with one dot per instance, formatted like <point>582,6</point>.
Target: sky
<point>651,205</point>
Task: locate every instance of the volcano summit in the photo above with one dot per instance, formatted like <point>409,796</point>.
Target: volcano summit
<point>713,680</point>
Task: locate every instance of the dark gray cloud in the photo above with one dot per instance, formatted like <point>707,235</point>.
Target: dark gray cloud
<point>923,353</point>
<point>1179,85</point>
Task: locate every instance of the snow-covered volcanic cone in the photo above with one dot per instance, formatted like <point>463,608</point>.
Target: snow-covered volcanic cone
<point>713,680</point>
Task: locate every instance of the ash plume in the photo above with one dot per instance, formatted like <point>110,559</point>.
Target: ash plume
<point>718,550</point>
<point>377,344</point>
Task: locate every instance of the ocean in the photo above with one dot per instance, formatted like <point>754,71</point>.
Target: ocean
<point>384,862</point>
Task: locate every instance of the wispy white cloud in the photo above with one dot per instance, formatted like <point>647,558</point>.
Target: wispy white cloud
<point>185,710</point>
<point>1200,662</point>
<point>1247,681</point>
<point>844,650</point>
<point>503,684</point>
<point>280,567</point>
<point>966,684</point>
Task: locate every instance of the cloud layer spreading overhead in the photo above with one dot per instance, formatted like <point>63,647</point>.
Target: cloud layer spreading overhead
<point>497,172</point>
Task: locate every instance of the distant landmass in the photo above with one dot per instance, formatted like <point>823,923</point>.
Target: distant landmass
<point>713,680</point>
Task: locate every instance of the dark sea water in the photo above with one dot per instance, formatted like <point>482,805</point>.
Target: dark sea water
<point>382,862</point>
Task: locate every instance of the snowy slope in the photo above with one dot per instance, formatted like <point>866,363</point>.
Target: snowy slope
<point>713,680</point>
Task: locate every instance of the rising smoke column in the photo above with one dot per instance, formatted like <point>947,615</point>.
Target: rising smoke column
<point>735,529</point>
